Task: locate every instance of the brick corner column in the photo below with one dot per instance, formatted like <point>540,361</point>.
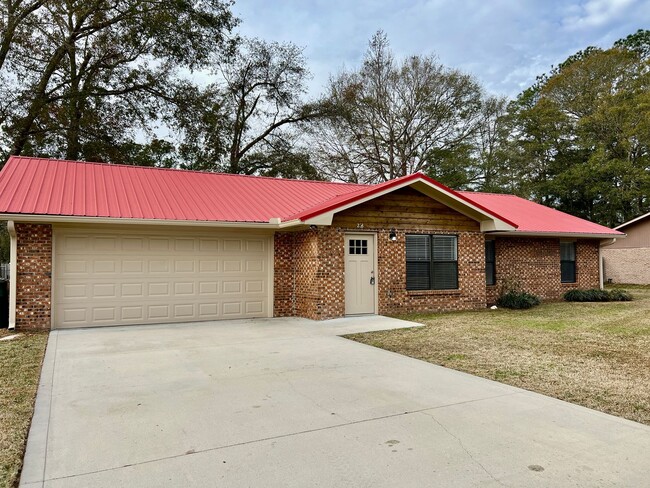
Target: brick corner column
<point>33,276</point>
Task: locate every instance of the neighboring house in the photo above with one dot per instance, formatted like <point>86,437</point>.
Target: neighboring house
<point>628,260</point>
<point>97,244</point>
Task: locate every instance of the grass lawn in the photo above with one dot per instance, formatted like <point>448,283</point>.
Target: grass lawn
<point>592,354</point>
<point>20,368</point>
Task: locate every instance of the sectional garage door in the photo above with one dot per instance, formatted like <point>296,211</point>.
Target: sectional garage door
<point>120,277</point>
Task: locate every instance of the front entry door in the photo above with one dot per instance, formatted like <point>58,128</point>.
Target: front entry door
<point>359,274</point>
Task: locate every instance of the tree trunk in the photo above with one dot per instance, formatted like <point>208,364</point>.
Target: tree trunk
<point>38,102</point>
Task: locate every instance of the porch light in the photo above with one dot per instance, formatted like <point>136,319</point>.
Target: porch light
<point>393,235</point>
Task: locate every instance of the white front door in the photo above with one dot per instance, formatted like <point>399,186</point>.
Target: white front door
<point>359,274</point>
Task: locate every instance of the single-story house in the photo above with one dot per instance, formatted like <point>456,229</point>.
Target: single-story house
<point>97,244</point>
<point>628,260</point>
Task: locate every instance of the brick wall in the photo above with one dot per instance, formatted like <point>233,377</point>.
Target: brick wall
<point>534,264</point>
<point>630,265</point>
<point>310,265</point>
<point>394,298</point>
<point>34,275</point>
<point>283,275</point>
<point>306,276</point>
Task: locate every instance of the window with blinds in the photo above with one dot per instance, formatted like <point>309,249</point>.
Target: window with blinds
<point>568,262</point>
<point>431,262</point>
<point>490,263</point>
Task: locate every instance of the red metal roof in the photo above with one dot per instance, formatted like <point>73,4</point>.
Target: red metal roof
<point>535,218</point>
<point>55,187</point>
<point>71,188</point>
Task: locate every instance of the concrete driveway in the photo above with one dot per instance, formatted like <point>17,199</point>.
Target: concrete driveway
<point>286,402</point>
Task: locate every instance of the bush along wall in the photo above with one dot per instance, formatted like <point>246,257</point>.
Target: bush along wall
<point>518,300</point>
<point>597,295</point>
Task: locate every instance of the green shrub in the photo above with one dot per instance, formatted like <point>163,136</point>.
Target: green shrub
<point>596,295</point>
<point>517,299</point>
<point>617,295</point>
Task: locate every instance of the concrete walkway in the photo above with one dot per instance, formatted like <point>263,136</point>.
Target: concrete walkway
<point>288,403</point>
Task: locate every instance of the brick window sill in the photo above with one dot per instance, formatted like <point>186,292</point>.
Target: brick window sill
<point>417,293</point>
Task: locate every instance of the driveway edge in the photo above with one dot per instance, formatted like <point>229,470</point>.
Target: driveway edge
<point>33,470</point>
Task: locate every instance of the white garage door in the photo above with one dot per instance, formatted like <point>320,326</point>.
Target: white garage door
<point>119,277</point>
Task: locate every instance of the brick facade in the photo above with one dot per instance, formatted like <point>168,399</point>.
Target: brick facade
<point>534,265</point>
<point>310,264</point>
<point>627,265</point>
<point>315,260</point>
<point>304,280</point>
<point>34,275</point>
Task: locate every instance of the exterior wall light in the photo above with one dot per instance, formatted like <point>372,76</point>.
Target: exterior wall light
<point>393,235</point>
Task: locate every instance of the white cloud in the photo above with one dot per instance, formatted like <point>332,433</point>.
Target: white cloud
<point>505,43</point>
<point>597,13</point>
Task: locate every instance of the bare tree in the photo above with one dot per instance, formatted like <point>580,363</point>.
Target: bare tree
<point>394,117</point>
<point>246,121</point>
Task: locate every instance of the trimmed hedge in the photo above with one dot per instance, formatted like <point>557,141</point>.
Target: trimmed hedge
<point>597,295</point>
<point>518,300</point>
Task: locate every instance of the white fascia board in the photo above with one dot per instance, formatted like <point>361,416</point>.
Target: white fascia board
<point>65,219</point>
<point>323,219</point>
<point>575,235</point>
<point>495,226</point>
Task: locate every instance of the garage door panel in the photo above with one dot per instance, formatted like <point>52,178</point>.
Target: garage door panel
<point>133,312</point>
<point>159,266</point>
<point>133,266</point>
<point>208,245</point>
<point>133,244</point>
<point>232,245</point>
<point>159,289</point>
<point>208,288</point>
<point>158,244</point>
<point>184,245</point>
<point>208,311</point>
<point>208,266</point>
<point>104,290</point>
<point>76,316</point>
<point>254,286</point>
<point>105,244</point>
<point>134,279</point>
<point>104,314</point>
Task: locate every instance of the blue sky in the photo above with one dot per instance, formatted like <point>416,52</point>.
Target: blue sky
<point>504,43</point>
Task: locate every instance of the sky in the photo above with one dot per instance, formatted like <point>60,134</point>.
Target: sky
<point>504,43</point>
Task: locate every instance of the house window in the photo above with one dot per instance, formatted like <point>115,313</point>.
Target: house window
<point>490,263</point>
<point>568,261</point>
<point>358,246</point>
<point>431,262</point>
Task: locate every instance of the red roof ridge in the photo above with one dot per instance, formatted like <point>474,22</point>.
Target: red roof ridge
<point>469,192</point>
<point>134,166</point>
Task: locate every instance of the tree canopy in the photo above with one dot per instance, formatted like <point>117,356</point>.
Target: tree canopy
<point>580,136</point>
<point>172,84</point>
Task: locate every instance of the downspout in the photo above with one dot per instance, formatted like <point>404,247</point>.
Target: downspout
<point>13,276</point>
<point>601,266</point>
